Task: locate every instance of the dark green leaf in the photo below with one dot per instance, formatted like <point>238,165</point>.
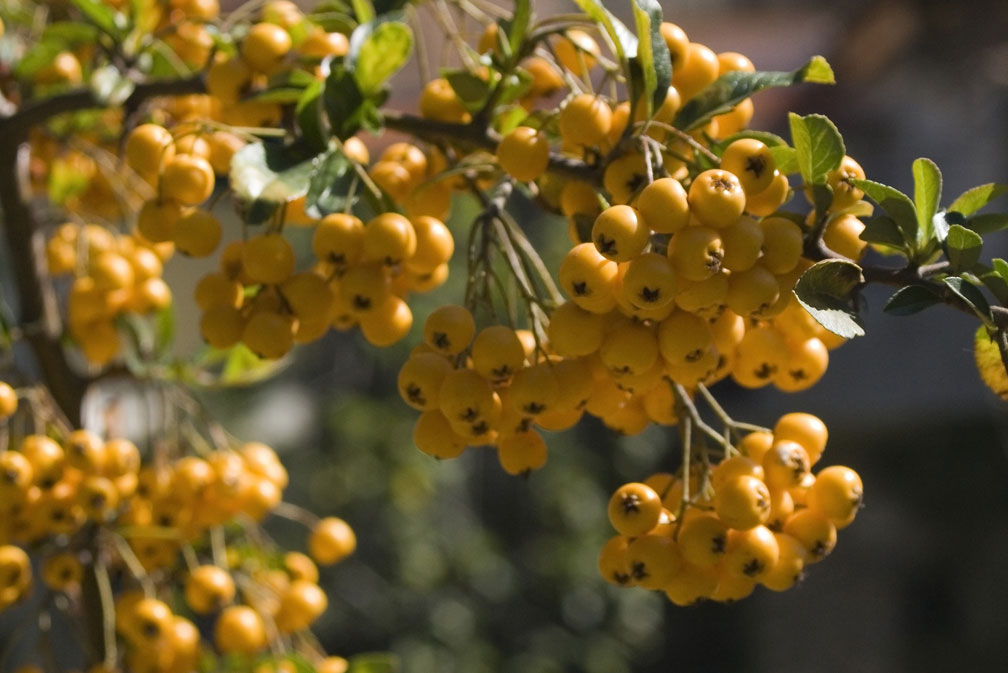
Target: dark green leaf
<point>825,291</point>
<point>882,229</point>
<point>343,102</point>
<point>469,88</point>
<point>519,23</point>
<point>263,177</point>
<point>283,95</point>
<point>733,87</point>
<point>970,296</point>
<point>927,197</point>
<point>962,247</point>
<point>818,144</point>
<point>334,21</point>
<point>386,6</point>
<point>785,158</point>
<point>822,198</point>
<point>377,662</point>
<point>896,204</point>
<point>330,185</point>
<point>976,198</point>
<point>101,15</point>
<point>624,41</point>
<point>377,50</point>
<point>652,53</point>
<point>911,299</point>
<point>308,113</point>
<point>986,224</point>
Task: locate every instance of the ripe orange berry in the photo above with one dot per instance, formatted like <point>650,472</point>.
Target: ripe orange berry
<point>268,258</point>
<point>524,153</point>
<point>438,101</point>
<point>585,120</point>
<point>751,161</point>
<point>239,630</point>
<point>187,179</point>
<point>265,47</point>
<point>663,205</point>
<point>619,234</point>
<point>634,509</point>
<point>716,198</point>
<point>331,540</point>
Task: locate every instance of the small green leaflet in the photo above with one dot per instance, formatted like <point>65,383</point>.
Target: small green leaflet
<point>976,198</point>
<point>825,291</point>
<point>652,53</point>
<point>911,299</point>
<point>971,296</point>
<point>962,247</point>
<point>897,206</point>
<point>623,40</point>
<point>927,197</point>
<point>818,145</point>
<point>518,26</point>
<point>377,50</point>
<point>733,87</point>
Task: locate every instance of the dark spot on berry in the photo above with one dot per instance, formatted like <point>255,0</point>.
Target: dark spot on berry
<point>580,289</point>
<point>718,544</point>
<point>631,503</point>
<point>638,570</point>
<point>765,371</point>
<point>606,246</point>
<point>755,165</point>
<point>415,395</point>
<point>649,295</point>
<point>441,341</point>
<point>752,567</point>
<point>361,302</point>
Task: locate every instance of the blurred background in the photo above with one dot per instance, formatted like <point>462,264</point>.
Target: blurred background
<point>463,569</point>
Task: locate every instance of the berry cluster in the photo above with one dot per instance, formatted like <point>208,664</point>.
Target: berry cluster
<point>114,274</point>
<point>759,516</point>
<point>84,509</point>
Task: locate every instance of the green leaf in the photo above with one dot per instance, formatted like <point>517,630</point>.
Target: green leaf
<point>110,86</point>
<point>624,41</point>
<point>927,197</point>
<point>976,198</point>
<point>911,299</point>
<point>970,295</point>
<point>343,102</point>
<point>363,10</point>
<point>785,158</point>
<point>164,330</point>
<point>65,181</point>
<point>243,367</point>
<point>471,90</point>
<point>37,57</point>
<point>988,223</point>
<point>896,204</point>
<point>386,6</point>
<point>996,280</point>
<point>263,177</point>
<point>882,229</point>
<point>71,34</point>
<point>652,53</point>
<point>308,113</point>
<point>822,198</point>
<point>376,662</point>
<point>377,50</point>
<point>818,145</point>
<point>941,222</point>
<point>962,247</point>
<point>515,85</point>
<point>101,15</point>
<point>519,23</point>
<point>825,291</point>
<point>1001,267</point>
<point>733,87</point>
<point>331,177</point>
